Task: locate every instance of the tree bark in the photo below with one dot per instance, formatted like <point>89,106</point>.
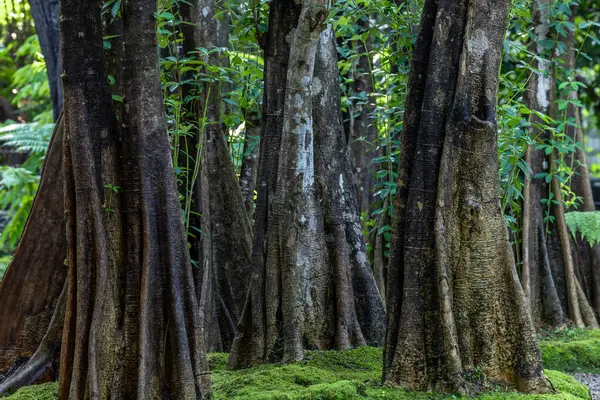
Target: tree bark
<point>589,256</point>
<point>226,239</point>
<point>45,16</point>
<point>455,304</point>
<point>283,17</point>
<point>550,275</point>
<point>249,170</point>
<point>364,130</point>
<point>587,261</point>
<point>32,284</point>
<point>358,301</point>
<point>305,295</point>
<point>132,324</point>
<point>380,252</point>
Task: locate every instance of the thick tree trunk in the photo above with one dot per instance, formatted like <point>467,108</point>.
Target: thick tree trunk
<point>550,269</point>
<point>587,260</point>
<point>357,298</point>
<point>309,296</point>
<point>454,303</point>
<point>132,325</point>
<point>32,284</point>
<point>588,256</point>
<point>283,17</point>
<point>45,16</point>
<point>226,239</point>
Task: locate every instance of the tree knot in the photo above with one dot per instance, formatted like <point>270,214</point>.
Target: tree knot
<point>472,207</point>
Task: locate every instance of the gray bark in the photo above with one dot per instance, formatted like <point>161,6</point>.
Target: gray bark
<point>314,296</point>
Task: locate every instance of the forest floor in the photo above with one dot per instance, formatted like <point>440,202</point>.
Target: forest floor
<point>575,351</point>
<point>592,381</point>
<point>355,374</point>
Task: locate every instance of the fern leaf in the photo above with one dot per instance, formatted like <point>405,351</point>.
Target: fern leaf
<point>587,224</point>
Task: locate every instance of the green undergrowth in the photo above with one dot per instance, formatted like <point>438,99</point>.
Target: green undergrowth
<point>572,350</point>
<point>327,375</point>
<point>345,375</point>
<point>46,391</point>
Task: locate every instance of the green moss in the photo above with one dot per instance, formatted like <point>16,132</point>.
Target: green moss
<point>46,391</point>
<point>327,375</point>
<point>345,375</point>
<point>217,361</point>
<point>568,334</point>
<point>572,350</point>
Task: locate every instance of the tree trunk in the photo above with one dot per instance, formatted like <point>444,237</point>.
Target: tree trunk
<point>132,325</point>
<point>357,297</point>
<point>587,262</point>
<point>364,130</point>
<point>380,252</point>
<point>303,296</point>
<point>6,110</point>
<point>249,170</point>
<point>589,256</point>
<point>226,239</point>
<point>32,284</point>
<point>45,16</point>
<point>455,304</point>
<point>283,17</point>
<point>549,268</point>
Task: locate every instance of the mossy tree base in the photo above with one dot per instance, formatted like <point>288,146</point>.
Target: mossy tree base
<point>347,375</point>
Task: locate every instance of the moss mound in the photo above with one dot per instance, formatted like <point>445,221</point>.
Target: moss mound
<point>46,391</point>
<point>327,375</point>
<point>572,350</point>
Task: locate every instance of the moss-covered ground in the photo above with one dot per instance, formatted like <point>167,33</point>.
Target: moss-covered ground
<point>572,350</point>
<point>355,374</point>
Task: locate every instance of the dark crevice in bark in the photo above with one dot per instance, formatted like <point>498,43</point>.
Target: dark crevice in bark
<point>44,362</point>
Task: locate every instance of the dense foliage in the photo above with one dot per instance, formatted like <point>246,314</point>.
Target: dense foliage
<point>376,41</point>
<point>382,31</point>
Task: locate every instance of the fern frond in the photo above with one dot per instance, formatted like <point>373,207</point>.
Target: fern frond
<point>4,261</point>
<point>13,177</point>
<point>32,137</point>
<point>587,224</point>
